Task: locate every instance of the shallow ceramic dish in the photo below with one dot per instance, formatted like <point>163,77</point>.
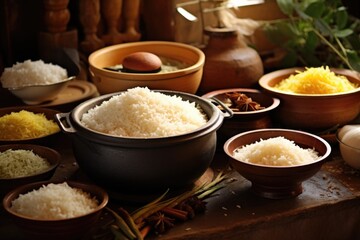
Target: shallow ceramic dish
<point>244,121</point>
<point>37,94</point>
<point>277,182</point>
<point>51,155</point>
<point>313,112</point>
<point>72,228</point>
<point>185,80</point>
<point>48,113</point>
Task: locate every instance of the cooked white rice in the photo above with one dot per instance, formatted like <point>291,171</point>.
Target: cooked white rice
<point>54,201</point>
<point>140,112</point>
<point>30,73</point>
<point>277,151</point>
<point>20,163</point>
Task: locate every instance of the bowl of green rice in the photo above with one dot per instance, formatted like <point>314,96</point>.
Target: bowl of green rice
<point>25,163</point>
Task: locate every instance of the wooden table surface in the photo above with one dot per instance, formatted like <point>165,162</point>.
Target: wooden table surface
<point>328,208</point>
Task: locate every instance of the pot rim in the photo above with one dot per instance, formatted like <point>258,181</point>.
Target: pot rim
<point>215,120</point>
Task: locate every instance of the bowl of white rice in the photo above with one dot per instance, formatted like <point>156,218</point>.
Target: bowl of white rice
<point>182,67</point>
<point>142,139</point>
<point>55,210</point>
<point>35,82</point>
<point>277,161</point>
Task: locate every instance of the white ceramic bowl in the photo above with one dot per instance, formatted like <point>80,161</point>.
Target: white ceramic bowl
<point>349,138</point>
<point>184,80</point>
<point>37,94</point>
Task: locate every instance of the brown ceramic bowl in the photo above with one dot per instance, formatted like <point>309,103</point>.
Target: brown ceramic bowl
<point>313,112</point>
<point>277,182</point>
<point>245,121</point>
<point>48,113</point>
<point>186,79</point>
<point>72,228</point>
<point>51,155</point>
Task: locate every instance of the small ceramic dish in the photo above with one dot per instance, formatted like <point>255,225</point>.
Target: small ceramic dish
<point>277,182</point>
<point>68,228</point>
<point>47,112</point>
<point>37,94</point>
<point>49,154</point>
<point>244,120</point>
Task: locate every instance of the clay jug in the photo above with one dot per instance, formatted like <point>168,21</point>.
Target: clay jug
<point>229,62</point>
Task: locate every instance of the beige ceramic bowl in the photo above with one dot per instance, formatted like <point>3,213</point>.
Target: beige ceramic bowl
<point>184,80</point>
<point>37,94</point>
<point>313,112</point>
<point>277,182</point>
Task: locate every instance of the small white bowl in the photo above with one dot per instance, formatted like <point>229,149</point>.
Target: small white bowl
<point>349,148</point>
<point>36,94</point>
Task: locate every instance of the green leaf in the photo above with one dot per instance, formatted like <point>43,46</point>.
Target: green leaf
<point>311,43</point>
<point>354,41</point>
<point>323,27</point>
<point>286,6</point>
<point>315,9</point>
<point>343,33</point>
<point>290,59</point>
<point>341,18</point>
<point>354,60</point>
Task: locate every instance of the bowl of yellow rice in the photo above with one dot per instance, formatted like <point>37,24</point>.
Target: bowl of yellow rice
<point>26,124</point>
<point>315,99</point>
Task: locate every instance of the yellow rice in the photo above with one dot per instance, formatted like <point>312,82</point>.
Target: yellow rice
<point>316,81</point>
<point>25,125</point>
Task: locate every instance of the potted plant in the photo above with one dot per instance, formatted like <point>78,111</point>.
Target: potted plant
<point>316,32</point>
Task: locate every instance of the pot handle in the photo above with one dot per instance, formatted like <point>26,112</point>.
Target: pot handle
<point>63,120</point>
<point>226,111</point>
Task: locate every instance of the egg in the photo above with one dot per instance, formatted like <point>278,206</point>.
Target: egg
<point>141,62</point>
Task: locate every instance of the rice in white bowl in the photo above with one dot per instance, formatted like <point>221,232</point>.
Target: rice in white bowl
<point>30,73</point>
<point>54,201</point>
<point>140,112</point>
<point>277,151</point>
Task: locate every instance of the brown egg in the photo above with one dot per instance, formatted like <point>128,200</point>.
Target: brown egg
<point>141,62</point>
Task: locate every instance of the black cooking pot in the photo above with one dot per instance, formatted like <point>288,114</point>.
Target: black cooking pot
<point>134,164</point>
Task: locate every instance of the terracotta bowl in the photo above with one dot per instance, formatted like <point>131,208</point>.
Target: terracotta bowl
<point>185,80</point>
<point>49,114</point>
<point>37,94</point>
<point>72,228</point>
<point>277,182</point>
<point>313,112</point>
<point>245,121</point>
<point>51,155</point>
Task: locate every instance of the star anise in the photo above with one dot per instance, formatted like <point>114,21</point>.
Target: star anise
<point>242,102</point>
<point>160,222</point>
<point>193,205</point>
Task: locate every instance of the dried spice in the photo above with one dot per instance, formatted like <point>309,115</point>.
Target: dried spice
<point>242,102</point>
<point>162,214</point>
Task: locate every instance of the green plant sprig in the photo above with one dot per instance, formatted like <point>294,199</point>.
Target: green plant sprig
<point>126,226</point>
<point>316,32</point>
